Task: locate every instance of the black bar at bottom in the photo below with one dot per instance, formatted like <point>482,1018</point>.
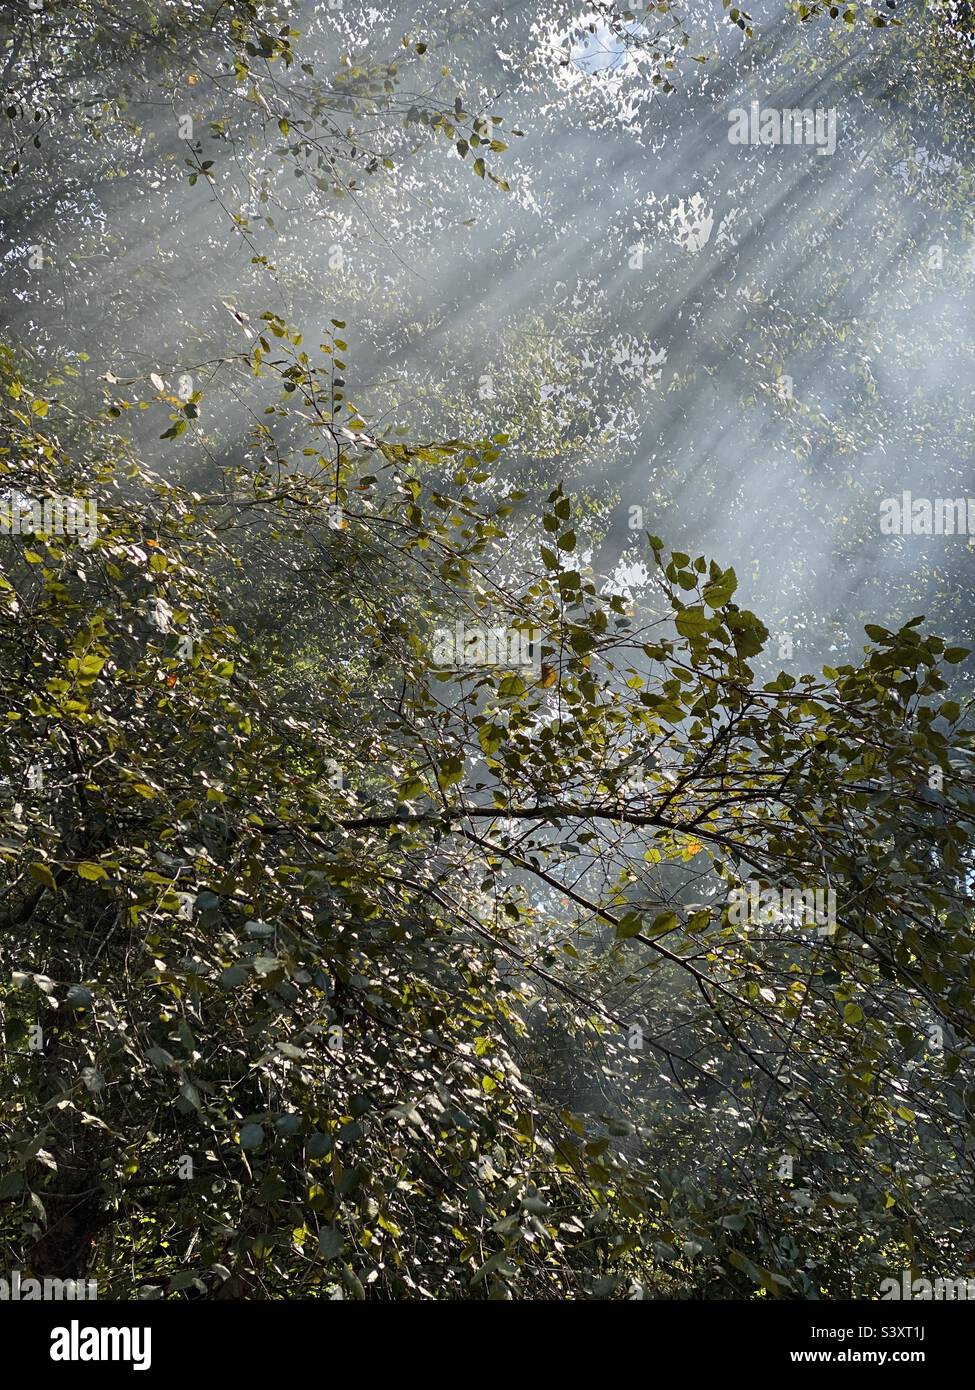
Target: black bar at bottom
<point>165,1339</point>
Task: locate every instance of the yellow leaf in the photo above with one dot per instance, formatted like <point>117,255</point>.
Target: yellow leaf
<point>91,872</point>
<point>42,874</point>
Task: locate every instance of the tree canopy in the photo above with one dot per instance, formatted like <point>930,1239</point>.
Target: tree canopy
<point>420,880</point>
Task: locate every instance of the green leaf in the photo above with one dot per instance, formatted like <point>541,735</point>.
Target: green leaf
<point>251,1137</point>
<point>330,1242</point>
<point>665,922</point>
<point>42,874</point>
<point>630,924</point>
<point>717,593</point>
<point>692,622</point>
<point>11,1184</point>
<point>233,976</point>
<point>91,871</point>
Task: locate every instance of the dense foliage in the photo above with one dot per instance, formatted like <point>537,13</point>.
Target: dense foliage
<point>332,966</point>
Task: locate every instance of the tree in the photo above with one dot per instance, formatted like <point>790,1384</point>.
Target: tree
<point>291,893</point>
